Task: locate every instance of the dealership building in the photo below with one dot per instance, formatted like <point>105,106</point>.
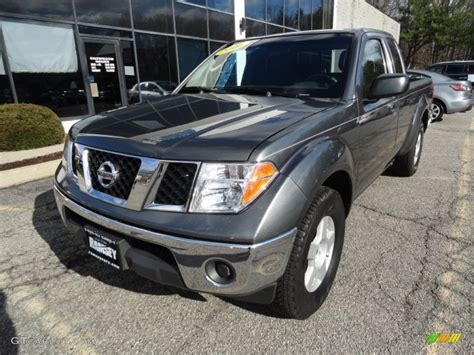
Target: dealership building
<point>81,57</point>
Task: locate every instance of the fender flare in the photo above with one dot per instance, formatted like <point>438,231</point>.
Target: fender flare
<point>422,106</point>
<point>316,161</point>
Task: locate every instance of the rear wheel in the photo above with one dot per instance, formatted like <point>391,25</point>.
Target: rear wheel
<point>407,164</point>
<point>315,257</point>
<point>437,111</point>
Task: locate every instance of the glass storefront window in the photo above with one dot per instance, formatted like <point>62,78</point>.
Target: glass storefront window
<point>305,15</point>
<point>291,13</point>
<point>275,11</point>
<point>100,31</point>
<point>45,66</point>
<point>5,92</point>
<point>60,9</point>
<point>255,9</point>
<point>317,15</point>
<point>195,2</point>
<point>190,20</point>
<point>214,46</point>
<point>254,28</point>
<point>156,59</point>
<point>222,5</point>
<point>191,53</point>
<point>153,15</point>
<point>221,26</point>
<point>273,30</point>
<point>128,61</point>
<point>110,12</point>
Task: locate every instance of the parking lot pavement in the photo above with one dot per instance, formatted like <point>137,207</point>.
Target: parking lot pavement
<point>406,271</point>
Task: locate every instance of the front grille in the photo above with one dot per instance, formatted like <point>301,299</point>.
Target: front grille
<point>127,169</point>
<point>176,184</point>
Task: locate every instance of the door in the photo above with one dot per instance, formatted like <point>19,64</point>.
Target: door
<point>378,120</point>
<point>105,74</point>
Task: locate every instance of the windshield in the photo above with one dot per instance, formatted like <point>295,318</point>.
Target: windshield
<point>305,65</point>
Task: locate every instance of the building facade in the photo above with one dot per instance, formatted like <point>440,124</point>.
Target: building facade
<point>81,57</point>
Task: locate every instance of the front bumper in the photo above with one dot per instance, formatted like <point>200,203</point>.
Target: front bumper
<point>255,265</point>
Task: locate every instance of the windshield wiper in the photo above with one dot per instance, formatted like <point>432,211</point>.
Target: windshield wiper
<point>263,92</point>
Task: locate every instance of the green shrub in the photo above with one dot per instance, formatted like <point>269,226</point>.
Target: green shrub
<point>27,126</point>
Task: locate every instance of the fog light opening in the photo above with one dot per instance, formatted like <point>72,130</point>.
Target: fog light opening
<point>220,272</point>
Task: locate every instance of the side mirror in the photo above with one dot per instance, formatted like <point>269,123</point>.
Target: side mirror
<point>387,85</point>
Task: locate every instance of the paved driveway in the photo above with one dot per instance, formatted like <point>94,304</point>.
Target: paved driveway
<point>406,270</point>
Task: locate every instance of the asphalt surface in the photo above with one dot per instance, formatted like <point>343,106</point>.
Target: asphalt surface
<point>406,271</point>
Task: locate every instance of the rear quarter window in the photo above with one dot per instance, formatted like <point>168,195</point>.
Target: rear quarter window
<point>456,69</point>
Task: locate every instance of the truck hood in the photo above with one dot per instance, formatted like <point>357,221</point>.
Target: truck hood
<point>194,126</point>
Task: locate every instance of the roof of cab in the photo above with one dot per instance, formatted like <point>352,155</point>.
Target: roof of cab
<point>354,31</point>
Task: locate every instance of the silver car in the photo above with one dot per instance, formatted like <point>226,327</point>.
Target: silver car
<point>449,95</point>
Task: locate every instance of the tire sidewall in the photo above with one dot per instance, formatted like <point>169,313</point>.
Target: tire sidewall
<point>311,301</point>
<point>411,156</point>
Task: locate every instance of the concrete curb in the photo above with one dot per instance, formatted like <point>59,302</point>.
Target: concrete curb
<point>28,173</point>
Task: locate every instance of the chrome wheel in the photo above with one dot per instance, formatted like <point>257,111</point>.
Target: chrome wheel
<point>320,254</point>
<point>435,112</point>
<point>417,149</point>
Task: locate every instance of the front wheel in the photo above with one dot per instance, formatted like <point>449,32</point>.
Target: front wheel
<point>315,257</point>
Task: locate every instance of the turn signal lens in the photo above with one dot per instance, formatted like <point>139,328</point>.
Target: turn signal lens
<point>261,177</point>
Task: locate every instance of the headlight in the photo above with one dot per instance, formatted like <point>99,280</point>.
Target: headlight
<point>224,188</point>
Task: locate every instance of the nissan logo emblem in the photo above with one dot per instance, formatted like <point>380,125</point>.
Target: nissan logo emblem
<point>107,174</point>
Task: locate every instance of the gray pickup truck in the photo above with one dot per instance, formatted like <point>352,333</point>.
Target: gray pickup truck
<point>239,183</point>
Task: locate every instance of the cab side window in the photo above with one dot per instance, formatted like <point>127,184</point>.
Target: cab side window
<point>373,64</point>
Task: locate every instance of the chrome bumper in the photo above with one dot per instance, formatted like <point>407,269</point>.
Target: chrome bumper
<point>255,265</point>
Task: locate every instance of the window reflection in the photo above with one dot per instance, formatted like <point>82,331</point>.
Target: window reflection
<point>222,5</point>
<point>214,46</point>
<point>157,60</point>
<point>44,64</point>
<point>191,53</point>
<point>221,26</point>
<point>128,60</point>
<point>272,30</point>
<point>110,12</point>
<point>190,20</point>
<point>196,2</point>
<point>317,15</point>
<point>99,31</point>
<point>255,28</point>
<point>255,9</point>
<point>291,13</point>
<point>305,15</point>
<point>60,9</point>
<point>153,15</point>
<point>275,11</point>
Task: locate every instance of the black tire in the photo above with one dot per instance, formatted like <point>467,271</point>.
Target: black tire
<point>406,165</point>
<point>292,299</point>
<point>437,106</point>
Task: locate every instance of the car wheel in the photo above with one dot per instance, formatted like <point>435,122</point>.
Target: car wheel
<point>437,111</point>
<point>314,258</point>
<point>407,164</point>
